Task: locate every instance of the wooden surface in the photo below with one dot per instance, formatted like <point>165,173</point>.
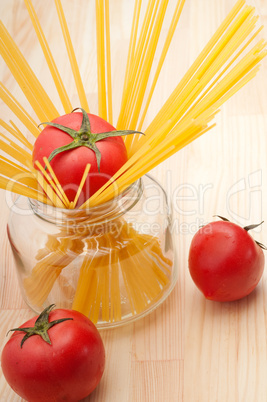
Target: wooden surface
<point>189,349</point>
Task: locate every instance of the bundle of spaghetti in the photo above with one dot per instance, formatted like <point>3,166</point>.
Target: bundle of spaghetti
<point>72,57</point>
<point>49,58</point>
<point>93,283</point>
<point>195,100</point>
<point>15,176</point>
<point>59,252</point>
<point>105,109</point>
<point>150,155</point>
<point>16,133</point>
<point>219,51</point>
<point>25,77</point>
<point>143,286</point>
<point>19,111</point>
<point>105,260</point>
<point>173,25</point>
<point>108,261</point>
<point>142,61</point>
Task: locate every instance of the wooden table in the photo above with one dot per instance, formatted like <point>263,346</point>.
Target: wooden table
<point>189,349</point>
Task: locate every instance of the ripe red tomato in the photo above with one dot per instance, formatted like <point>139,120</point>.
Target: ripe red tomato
<point>225,262</point>
<point>68,369</point>
<point>69,165</point>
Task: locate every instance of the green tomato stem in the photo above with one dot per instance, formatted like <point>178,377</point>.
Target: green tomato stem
<point>85,138</point>
<point>41,326</point>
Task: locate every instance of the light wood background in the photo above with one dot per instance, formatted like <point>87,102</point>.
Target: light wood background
<point>189,349</point>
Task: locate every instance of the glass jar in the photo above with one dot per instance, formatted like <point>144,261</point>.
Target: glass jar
<point>114,262</point>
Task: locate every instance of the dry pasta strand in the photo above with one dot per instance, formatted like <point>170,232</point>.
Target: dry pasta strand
<point>18,110</point>
<point>72,57</point>
<point>15,132</point>
<point>101,62</point>
<point>54,177</point>
<point>25,77</point>
<point>108,62</point>
<point>84,177</point>
<point>49,58</point>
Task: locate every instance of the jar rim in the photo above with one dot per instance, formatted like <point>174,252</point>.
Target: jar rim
<point>97,214</point>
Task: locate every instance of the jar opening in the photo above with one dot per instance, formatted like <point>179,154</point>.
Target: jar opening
<point>97,215</point>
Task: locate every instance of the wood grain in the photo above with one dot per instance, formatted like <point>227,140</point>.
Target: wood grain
<point>189,349</point>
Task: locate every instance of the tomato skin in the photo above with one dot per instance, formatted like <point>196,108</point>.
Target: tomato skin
<point>69,165</point>
<point>225,262</point>
<point>67,370</point>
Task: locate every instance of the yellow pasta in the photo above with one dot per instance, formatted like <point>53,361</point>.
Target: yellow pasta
<point>173,25</point>
<point>141,84</point>
<point>138,58</point>
<point>16,133</point>
<point>45,185</point>
<point>99,279</point>
<point>101,63</point>
<point>132,47</point>
<point>18,188</point>
<point>49,58</point>
<point>51,183</point>
<point>72,57</point>
<point>19,111</point>
<point>84,177</point>
<point>25,77</point>
<point>108,63</point>
<point>55,179</point>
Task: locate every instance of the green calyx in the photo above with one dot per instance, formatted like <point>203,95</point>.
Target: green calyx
<point>41,326</point>
<point>84,137</point>
<point>247,228</point>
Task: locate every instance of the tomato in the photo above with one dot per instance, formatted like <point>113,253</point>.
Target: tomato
<point>225,262</point>
<point>72,141</point>
<point>67,369</point>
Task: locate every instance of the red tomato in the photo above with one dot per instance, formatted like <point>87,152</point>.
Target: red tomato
<point>225,262</point>
<point>69,165</point>
<point>68,369</point>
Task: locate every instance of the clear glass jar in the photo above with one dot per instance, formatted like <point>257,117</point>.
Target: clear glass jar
<point>114,263</point>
